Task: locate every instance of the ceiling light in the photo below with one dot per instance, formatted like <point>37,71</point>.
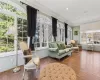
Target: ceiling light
<point>66,8</point>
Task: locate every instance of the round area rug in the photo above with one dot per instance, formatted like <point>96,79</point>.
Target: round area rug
<point>57,71</point>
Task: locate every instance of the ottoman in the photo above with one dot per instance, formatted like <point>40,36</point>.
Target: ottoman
<point>57,71</point>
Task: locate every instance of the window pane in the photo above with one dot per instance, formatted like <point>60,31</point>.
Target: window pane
<point>20,27</point>
<point>44,44</point>
<point>43,30</point>
<point>24,34</point>
<point>25,28</point>
<point>5,40</point>
<point>24,22</point>
<point>49,33</point>
<point>37,36</point>
<point>19,21</point>
<point>11,44</point>
<point>25,39</point>
<point>20,33</point>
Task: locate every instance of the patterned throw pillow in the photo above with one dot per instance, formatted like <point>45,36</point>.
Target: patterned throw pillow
<point>63,46</point>
<point>27,52</point>
<point>53,45</point>
<point>59,46</point>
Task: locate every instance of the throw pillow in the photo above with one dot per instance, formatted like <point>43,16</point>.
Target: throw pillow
<point>27,52</point>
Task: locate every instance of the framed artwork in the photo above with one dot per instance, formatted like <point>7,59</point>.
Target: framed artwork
<point>75,32</point>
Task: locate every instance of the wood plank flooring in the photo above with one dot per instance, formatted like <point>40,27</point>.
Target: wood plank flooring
<point>86,64</point>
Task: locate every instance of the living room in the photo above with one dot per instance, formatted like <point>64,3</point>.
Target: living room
<point>35,36</point>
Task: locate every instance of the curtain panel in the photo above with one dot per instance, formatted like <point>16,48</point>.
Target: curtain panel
<point>31,18</point>
<point>66,30</point>
<point>54,28</point>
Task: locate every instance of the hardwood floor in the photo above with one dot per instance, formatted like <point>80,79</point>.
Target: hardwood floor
<point>86,64</point>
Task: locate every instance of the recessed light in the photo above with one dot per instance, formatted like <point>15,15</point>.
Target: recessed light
<point>66,8</point>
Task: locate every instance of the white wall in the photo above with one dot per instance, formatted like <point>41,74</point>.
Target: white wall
<point>76,37</point>
<point>8,60</point>
<point>90,26</point>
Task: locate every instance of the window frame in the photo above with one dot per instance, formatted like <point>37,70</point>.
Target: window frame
<point>69,34</point>
<point>60,27</point>
<point>41,20</point>
<point>12,14</point>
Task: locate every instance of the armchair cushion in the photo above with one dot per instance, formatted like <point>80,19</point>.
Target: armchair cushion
<point>30,65</point>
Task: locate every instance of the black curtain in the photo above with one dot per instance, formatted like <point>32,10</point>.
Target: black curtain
<point>66,29</point>
<point>54,28</point>
<point>31,18</point>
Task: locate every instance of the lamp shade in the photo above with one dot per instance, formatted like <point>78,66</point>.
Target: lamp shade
<point>72,41</point>
<point>11,30</point>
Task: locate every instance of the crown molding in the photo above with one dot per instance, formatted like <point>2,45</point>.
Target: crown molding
<point>46,10</point>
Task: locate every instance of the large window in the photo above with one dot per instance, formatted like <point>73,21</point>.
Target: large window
<point>43,31</point>
<point>22,29</point>
<point>60,32</point>
<point>90,37</point>
<point>11,15</point>
<point>6,42</point>
<point>69,34</point>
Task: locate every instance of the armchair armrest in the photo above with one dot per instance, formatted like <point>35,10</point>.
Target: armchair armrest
<point>53,49</point>
<point>28,56</point>
<point>68,46</point>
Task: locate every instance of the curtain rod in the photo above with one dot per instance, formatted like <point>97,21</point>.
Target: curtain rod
<point>27,4</point>
<point>23,3</point>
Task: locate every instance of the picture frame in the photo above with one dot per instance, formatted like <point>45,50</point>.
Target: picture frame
<point>75,32</point>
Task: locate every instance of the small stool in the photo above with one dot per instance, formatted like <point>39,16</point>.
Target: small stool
<point>57,71</point>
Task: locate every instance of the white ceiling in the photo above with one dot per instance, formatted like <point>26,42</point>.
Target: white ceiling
<point>79,11</point>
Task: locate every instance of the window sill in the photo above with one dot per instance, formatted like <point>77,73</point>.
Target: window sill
<point>86,44</point>
<point>12,53</point>
<point>41,48</point>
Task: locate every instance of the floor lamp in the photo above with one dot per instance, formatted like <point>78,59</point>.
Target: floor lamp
<point>13,31</point>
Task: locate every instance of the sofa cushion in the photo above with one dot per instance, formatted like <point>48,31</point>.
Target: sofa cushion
<point>53,45</point>
<point>53,49</point>
<point>61,52</point>
<point>58,46</point>
<point>62,46</point>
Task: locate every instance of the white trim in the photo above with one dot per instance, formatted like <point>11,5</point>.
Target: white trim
<point>45,10</point>
<point>12,53</point>
<point>41,48</point>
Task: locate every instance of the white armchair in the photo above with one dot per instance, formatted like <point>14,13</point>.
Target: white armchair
<point>74,45</point>
<point>31,61</point>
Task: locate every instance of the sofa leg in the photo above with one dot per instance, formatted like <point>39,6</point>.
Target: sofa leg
<point>71,54</point>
